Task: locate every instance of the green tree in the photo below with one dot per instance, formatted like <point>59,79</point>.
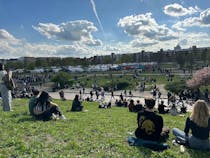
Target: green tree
<point>62,78</point>
<point>175,87</point>
<point>15,65</point>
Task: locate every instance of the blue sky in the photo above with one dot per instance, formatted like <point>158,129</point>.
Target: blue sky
<point>83,28</point>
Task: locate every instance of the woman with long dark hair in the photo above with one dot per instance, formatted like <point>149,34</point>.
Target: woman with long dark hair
<point>76,104</point>
<point>45,109</point>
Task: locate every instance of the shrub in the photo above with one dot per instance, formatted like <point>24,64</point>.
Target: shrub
<point>175,87</point>
<point>63,78</point>
<point>122,85</point>
<point>118,85</point>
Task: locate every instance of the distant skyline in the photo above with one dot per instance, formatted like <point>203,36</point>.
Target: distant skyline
<point>84,28</point>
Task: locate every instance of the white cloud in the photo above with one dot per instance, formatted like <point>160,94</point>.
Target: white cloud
<point>74,31</point>
<point>186,40</point>
<point>202,21</point>
<point>189,39</point>
<point>189,22</point>
<point>6,36</point>
<point>143,42</point>
<point>177,10</point>
<point>49,30</point>
<point>11,47</point>
<point>61,50</point>
<point>143,25</point>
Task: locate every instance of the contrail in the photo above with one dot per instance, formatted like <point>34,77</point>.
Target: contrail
<point>96,14</point>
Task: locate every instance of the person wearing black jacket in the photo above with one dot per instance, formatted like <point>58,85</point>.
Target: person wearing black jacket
<point>199,125</point>
<point>150,125</point>
<point>76,105</point>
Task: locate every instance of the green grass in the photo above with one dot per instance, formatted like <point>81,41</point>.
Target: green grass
<point>98,133</point>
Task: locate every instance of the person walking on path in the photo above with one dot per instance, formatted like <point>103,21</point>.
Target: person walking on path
<point>112,95</point>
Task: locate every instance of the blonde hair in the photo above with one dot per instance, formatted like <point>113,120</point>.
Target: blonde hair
<point>200,113</point>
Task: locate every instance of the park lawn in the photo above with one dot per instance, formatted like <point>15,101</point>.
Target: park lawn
<point>98,133</point>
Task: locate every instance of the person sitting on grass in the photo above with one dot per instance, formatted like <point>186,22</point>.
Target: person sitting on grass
<point>104,105</point>
<point>183,109</point>
<point>199,124</point>
<point>131,106</point>
<point>138,107</point>
<point>173,111</point>
<point>150,125</point>
<point>118,103</point>
<point>43,107</point>
<point>125,103</point>
<point>150,132</point>
<point>161,108</point>
<point>76,105</point>
<point>33,100</point>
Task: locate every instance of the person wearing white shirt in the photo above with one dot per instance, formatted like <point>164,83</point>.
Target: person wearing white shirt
<point>5,92</point>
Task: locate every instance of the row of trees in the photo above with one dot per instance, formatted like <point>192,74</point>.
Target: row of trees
<point>185,59</point>
<point>47,62</point>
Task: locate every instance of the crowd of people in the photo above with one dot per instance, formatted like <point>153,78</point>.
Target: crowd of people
<point>26,82</point>
<point>151,131</point>
<point>150,123</point>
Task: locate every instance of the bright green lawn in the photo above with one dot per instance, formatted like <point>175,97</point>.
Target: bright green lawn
<point>99,133</point>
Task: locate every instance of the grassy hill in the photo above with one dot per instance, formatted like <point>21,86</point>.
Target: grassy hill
<point>98,133</point>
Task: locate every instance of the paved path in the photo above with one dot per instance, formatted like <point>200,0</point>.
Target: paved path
<point>137,95</point>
